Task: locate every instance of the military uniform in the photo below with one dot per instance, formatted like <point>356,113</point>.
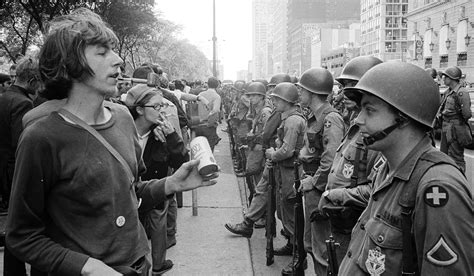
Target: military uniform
<point>442,221</point>
<point>455,111</point>
<point>324,134</point>
<point>351,167</point>
<point>290,138</point>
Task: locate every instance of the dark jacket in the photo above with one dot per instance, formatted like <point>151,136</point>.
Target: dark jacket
<point>14,103</point>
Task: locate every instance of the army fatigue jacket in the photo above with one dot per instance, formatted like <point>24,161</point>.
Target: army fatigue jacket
<point>442,222</point>
<point>262,114</point>
<point>324,134</point>
<point>352,163</point>
<point>459,110</point>
<point>290,133</point>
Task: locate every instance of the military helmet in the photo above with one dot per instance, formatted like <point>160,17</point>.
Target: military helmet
<point>432,72</point>
<point>278,78</point>
<point>356,67</point>
<point>239,85</point>
<point>286,91</point>
<point>404,86</point>
<point>453,73</point>
<point>263,81</point>
<point>317,80</point>
<point>256,88</point>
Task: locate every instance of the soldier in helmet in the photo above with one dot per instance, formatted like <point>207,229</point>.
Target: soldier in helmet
<point>352,163</point>
<point>415,222</point>
<point>258,205</point>
<point>290,140</point>
<point>454,112</point>
<point>433,73</point>
<point>239,122</point>
<point>325,130</point>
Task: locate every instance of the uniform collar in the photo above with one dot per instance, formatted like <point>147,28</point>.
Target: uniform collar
<point>407,166</point>
<point>287,113</point>
<point>321,109</point>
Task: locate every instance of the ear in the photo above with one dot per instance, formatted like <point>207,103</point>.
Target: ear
<point>140,110</point>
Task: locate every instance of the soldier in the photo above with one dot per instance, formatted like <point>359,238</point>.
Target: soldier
<point>257,208</point>
<point>255,156</point>
<point>352,162</point>
<point>415,222</point>
<point>290,140</point>
<point>239,122</point>
<point>454,112</point>
<point>325,131</point>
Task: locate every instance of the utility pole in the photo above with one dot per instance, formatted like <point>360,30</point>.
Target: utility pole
<point>214,39</point>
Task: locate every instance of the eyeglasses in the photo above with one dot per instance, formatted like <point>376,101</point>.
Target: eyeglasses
<point>157,107</point>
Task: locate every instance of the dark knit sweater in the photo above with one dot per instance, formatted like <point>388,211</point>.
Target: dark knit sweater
<point>70,195</point>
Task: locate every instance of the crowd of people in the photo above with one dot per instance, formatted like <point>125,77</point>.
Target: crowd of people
<point>93,160</point>
<point>371,176</point>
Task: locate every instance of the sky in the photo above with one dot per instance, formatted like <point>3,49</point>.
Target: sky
<point>233,28</point>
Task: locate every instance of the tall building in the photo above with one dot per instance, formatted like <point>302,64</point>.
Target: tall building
<point>384,29</point>
<point>278,36</point>
<point>261,21</point>
<point>304,18</point>
<point>442,34</point>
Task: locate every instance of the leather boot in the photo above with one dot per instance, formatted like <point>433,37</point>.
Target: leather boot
<point>286,250</point>
<point>288,270</point>
<point>245,228</point>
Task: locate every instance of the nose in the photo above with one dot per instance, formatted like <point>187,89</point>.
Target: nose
<point>360,119</point>
<point>117,60</point>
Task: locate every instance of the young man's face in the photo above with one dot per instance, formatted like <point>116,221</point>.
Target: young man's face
<point>280,104</point>
<point>12,76</point>
<point>105,63</point>
<point>376,115</point>
<point>255,99</point>
<point>305,97</point>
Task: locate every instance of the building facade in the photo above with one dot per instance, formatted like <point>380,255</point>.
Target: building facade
<point>441,34</point>
<point>304,17</point>
<point>279,38</point>
<point>384,29</point>
<point>261,21</point>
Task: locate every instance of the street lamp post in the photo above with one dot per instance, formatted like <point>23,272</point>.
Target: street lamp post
<point>214,39</point>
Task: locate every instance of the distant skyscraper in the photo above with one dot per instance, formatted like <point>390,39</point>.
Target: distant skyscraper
<point>384,29</point>
<point>279,37</point>
<point>260,36</point>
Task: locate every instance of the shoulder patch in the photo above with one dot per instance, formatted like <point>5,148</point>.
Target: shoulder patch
<point>436,196</point>
<point>327,123</point>
<point>441,254</point>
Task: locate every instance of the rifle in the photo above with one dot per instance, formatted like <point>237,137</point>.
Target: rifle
<point>230,131</point>
<point>333,266</point>
<point>270,226</point>
<point>248,178</point>
<point>299,252</point>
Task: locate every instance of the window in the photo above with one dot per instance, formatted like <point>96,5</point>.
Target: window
<point>462,59</point>
<point>428,62</point>
<point>443,62</point>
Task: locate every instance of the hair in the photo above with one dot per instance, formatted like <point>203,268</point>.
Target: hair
<point>26,69</point>
<point>142,72</point>
<point>213,82</point>
<point>179,85</point>
<point>133,109</point>
<point>62,58</point>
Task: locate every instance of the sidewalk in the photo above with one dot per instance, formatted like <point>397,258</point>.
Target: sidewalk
<point>205,247</point>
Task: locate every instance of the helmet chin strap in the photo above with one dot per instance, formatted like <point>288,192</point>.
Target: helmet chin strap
<point>379,135</point>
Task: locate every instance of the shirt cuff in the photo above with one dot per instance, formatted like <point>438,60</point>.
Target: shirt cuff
<point>72,264</point>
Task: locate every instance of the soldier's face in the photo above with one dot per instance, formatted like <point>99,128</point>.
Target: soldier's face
<point>305,97</point>
<point>280,105</point>
<point>376,115</point>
